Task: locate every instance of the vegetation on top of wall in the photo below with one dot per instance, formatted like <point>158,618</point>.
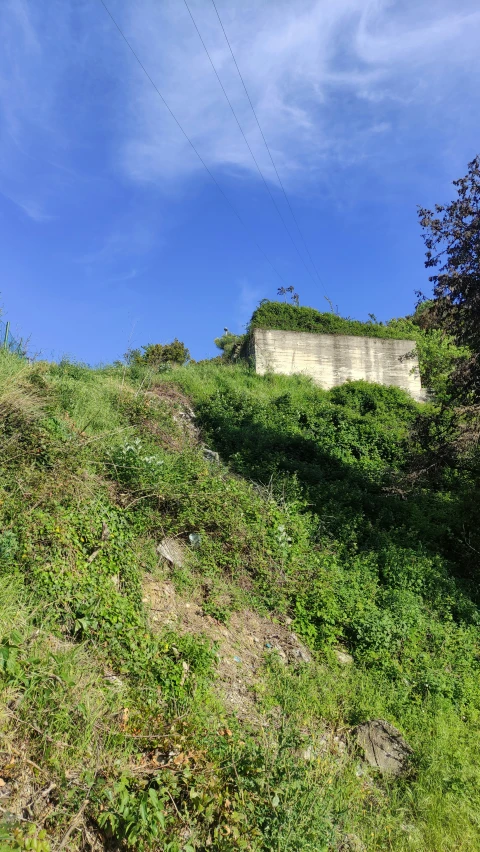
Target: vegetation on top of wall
<point>287,317</point>
<point>437,352</point>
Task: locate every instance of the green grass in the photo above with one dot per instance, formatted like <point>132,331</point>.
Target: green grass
<point>309,515</point>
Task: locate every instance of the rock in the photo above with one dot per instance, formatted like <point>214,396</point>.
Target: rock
<point>351,843</point>
<point>195,540</point>
<point>281,655</point>
<point>210,455</point>
<point>302,654</point>
<point>383,746</point>
<point>186,669</point>
<point>173,551</point>
<point>112,678</point>
<point>343,658</point>
<point>309,753</point>
<point>299,650</point>
<point>5,789</point>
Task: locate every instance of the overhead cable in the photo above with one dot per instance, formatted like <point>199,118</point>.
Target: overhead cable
<point>259,170</point>
<point>268,150</point>
<point>192,145</point>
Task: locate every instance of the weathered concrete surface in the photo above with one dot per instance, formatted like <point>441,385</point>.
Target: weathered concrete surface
<point>332,359</point>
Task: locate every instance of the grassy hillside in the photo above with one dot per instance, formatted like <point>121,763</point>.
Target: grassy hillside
<point>115,724</point>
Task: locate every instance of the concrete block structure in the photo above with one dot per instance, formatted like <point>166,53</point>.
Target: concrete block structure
<point>333,359</point>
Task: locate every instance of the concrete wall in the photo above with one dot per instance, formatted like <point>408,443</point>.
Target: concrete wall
<point>332,359</point>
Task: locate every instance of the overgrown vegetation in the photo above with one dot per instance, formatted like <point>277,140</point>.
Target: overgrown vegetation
<point>313,517</point>
<point>439,354</point>
<point>288,317</point>
<point>231,345</point>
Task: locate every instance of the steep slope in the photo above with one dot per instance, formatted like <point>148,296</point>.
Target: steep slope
<point>117,664</point>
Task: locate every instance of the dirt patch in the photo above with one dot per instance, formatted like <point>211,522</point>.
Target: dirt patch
<point>242,644</point>
<point>180,404</point>
<point>26,793</point>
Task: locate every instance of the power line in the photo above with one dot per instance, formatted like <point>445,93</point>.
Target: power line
<point>269,152</point>
<point>192,145</point>
<point>246,140</point>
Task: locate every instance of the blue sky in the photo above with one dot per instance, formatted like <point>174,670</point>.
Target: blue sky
<point>113,235</point>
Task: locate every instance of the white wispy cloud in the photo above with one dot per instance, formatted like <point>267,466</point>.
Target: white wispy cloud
<point>329,81</point>
<point>30,207</point>
<point>309,67</point>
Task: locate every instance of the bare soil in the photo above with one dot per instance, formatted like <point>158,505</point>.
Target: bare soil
<point>242,644</point>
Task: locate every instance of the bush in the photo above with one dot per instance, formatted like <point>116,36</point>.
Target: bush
<point>159,354</point>
<point>232,345</point>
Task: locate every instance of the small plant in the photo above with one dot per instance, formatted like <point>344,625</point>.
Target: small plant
<point>137,815</point>
<point>131,466</point>
<point>23,839</point>
<point>8,547</point>
<point>217,610</point>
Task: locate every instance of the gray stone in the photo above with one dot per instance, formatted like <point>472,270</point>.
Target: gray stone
<point>5,789</point>
<point>113,679</point>
<point>309,753</point>
<point>343,658</point>
<point>173,551</point>
<point>383,746</point>
<point>299,651</point>
<point>351,843</point>
<point>301,654</point>
<point>195,540</point>
<point>210,455</point>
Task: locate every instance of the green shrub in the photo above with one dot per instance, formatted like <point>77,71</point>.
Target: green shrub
<point>131,465</point>
<point>158,355</point>
<point>136,814</point>
<point>286,317</point>
<point>231,345</point>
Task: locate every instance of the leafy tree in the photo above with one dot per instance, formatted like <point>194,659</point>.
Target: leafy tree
<point>452,238</point>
